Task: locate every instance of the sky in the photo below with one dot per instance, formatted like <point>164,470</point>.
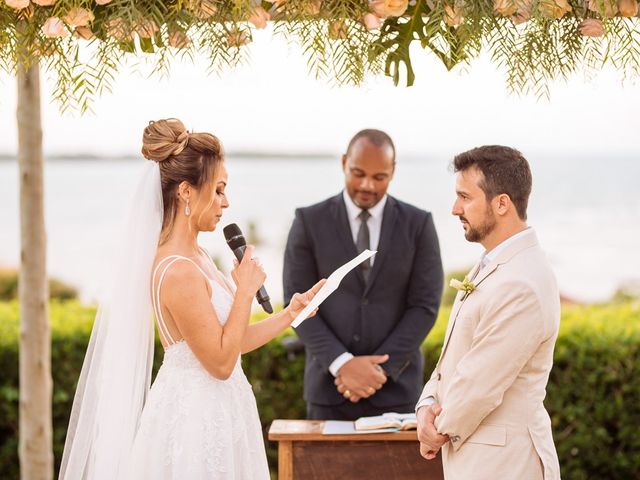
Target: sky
<point>271,104</point>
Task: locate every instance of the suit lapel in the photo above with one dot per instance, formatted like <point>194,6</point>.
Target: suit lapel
<point>455,310</point>
<point>389,217</point>
<point>486,271</point>
<point>343,230</point>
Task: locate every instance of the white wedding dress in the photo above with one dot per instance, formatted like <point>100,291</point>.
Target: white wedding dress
<point>194,426</point>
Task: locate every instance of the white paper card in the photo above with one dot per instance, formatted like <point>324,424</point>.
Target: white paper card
<point>340,427</point>
<point>331,285</point>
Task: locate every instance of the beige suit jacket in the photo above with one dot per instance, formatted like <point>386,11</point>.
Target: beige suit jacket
<point>494,367</point>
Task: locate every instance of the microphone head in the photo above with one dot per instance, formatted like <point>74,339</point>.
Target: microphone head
<point>234,237</point>
<point>266,305</point>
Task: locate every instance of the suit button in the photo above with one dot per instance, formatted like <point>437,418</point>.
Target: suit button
<point>356,338</point>
<point>455,438</point>
<point>439,377</point>
<point>365,301</point>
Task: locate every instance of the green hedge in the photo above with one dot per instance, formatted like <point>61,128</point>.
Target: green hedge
<point>9,287</point>
<point>593,394</point>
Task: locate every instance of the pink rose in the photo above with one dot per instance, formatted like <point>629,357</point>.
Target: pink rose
<point>202,9</point>
<point>119,30</point>
<point>453,16</point>
<point>591,27</point>
<point>79,17</point>
<point>259,17</point>
<point>146,28</point>
<point>388,8</point>
<point>238,38</point>
<point>313,8</point>
<point>523,12</point>
<point>628,8</point>
<point>103,2</point>
<point>505,8</point>
<point>54,28</point>
<point>372,21</point>
<point>84,33</point>
<point>44,3</point>
<point>554,8</point>
<point>17,4</point>
<point>179,39</point>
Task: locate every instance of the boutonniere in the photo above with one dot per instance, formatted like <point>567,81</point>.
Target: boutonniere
<point>465,286</point>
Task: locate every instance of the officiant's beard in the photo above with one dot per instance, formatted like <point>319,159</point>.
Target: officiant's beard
<point>477,233</point>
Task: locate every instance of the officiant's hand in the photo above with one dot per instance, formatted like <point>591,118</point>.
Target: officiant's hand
<point>361,377</point>
<point>430,440</point>
<point>301,300</point>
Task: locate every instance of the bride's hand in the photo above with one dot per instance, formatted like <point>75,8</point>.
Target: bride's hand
<point>301,300</point>
<point>248,275</point>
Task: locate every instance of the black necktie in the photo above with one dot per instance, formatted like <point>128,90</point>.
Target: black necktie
<point>362,242</point>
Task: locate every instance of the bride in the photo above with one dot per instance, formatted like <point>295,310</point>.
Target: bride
<point>199,419</point>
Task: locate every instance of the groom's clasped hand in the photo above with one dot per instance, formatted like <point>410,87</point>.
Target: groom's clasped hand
<point>430,440</point>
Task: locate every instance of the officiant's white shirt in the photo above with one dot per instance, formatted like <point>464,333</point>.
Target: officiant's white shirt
<point>375,226</point>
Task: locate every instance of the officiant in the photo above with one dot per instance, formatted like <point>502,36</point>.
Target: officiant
<point>363,347</point>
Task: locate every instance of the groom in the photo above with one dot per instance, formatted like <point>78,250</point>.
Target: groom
<point>484,402</point>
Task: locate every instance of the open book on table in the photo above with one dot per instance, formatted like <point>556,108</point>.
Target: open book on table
<point>391,420</point>
<point>385,423</point>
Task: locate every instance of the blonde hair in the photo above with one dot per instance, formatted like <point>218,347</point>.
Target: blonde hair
<point>183,157</point>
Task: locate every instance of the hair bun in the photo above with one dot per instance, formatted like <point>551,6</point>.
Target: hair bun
<point>164,138</point>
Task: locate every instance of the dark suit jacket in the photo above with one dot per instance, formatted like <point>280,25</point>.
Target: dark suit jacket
<point>392,314</point>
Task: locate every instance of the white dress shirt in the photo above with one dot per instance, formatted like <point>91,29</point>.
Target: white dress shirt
<point>486,259</point>
<point>375,226</point>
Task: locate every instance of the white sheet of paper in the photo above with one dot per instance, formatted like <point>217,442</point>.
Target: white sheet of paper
<point>331,285</point>
<point>340,427</point>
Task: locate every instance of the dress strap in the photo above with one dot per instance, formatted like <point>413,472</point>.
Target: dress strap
<point>155,293</point>
<point>221,279</point>
<point>207,255</point>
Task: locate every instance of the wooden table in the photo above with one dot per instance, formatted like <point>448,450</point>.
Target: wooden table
<point>304,453</point>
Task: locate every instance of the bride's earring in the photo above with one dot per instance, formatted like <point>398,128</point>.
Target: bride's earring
<point>187,210</point>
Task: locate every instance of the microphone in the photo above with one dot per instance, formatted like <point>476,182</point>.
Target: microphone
<point>238,245</point>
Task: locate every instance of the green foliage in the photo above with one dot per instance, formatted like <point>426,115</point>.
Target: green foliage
<point>530,54</point>
<point>57,289</point>
<point>593,393</point>
<point>627,293</point>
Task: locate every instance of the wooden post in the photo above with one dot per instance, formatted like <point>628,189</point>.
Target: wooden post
<point>285,460</point>
<point>35,447</point>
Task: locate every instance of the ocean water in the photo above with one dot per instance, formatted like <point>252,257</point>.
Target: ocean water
<point>585,209</point>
